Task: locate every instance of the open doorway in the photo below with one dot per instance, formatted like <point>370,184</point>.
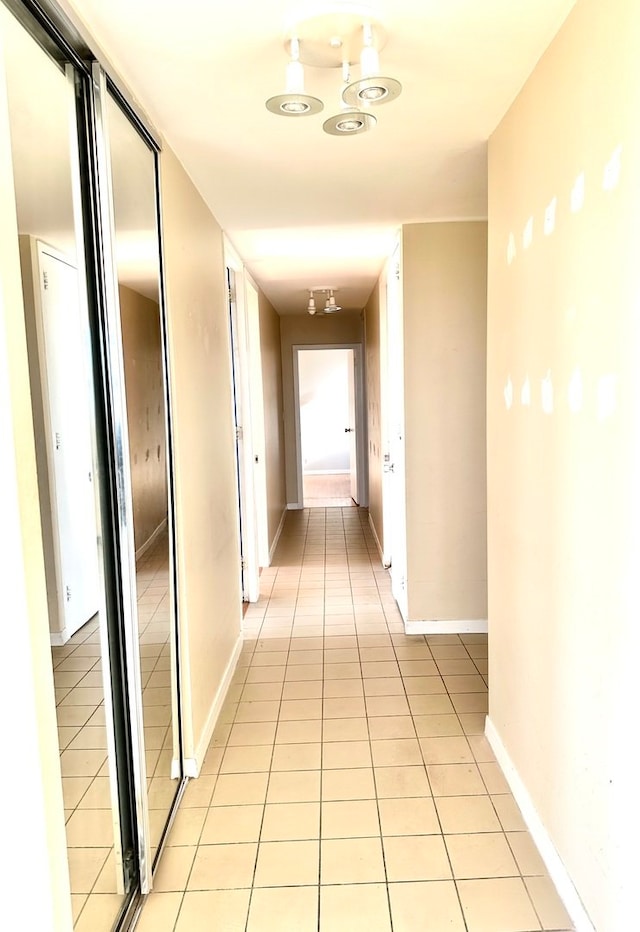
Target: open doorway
<point>329,418</point>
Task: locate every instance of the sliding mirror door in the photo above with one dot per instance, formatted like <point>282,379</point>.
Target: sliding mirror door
<point>138,296</point>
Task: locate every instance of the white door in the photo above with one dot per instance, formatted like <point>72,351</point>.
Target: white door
<point>351,427</point>
<point>67,393</point>
<point>394,484</point>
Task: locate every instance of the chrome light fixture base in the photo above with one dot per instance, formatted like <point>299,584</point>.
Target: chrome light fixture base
<point>294,105</point>
<point>371,92</point>
<point>350,122</point>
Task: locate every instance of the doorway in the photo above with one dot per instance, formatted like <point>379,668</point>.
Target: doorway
<point>330,425</point>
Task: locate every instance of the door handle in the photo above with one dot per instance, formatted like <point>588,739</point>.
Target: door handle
<point>348,430</point>
<point>388,467</point>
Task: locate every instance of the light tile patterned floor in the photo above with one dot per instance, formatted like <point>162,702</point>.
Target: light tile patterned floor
<point>348,785</point>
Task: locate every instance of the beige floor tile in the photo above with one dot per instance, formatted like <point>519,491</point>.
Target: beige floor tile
<point>386,705</point>
<point>284,909</point>
<point>343,689</point>
<point>408,816</point>
<point>446,750</point>
<point>343,754</point>
<point>240,789</point>
<point>77,903</point>
<point>508,813</point>
<point>301,672</point>
<point>355,908</point>
<point>174,868</point>
<point>299,732</point>
<point>493,777</point>
<point>485,854</point>
<point>253,734</point>
<point>160,912</point>
<point>470,702</point>
<point>526,854</point>
<point>222,867</point>
<point>261,692</point>
<point>467,814</point>
<point>401,781</point>
<point>99,912</point>
<point>296,786</point>
<point>291,822</point>
<point>304,689</point>
<point>497,904</point>
<point>90,828</point>
<point>353,707</point>
<point>187,826</point>
<point>416,857</point>
<point>247,759</point>
<point>296,757</point>
<point>208,910</point>
<point>384,686</point>
<point>351,860</point>
<point>437,726</point>
<point>345,729</point>
<point>473,722</point>
<point>455,780</point>
<point>396,752</point>
<point>249,712</point>
<point>287,863</point>
<point>547,903</point>
<point>232,824</point>
<point>391,727</point>
<point>357,783</point>
<point>85,763</point>
<point>73,790</point>
<point>357,818</point>
<point>293,710</point>
<point>481,749</point>
<point>85,865</point>
<point>431,906</point>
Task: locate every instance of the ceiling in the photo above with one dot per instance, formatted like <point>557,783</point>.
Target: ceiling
<point>303,208</point>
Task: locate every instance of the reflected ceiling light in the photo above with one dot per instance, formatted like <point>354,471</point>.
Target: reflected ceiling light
<point>343,34</point>
<point>294,102</point>
<point>372,89</point>
<point>331,307</point>
<point>311,307</point>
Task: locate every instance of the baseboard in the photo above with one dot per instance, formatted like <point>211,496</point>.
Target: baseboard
<point>140,552</point>
<point>272,548</point>
<point>386,561</point>
<point>294,506</point>
<point>541,838</point>
<point>192,765</point>
<point>58,638</point>
<point>474,626</point>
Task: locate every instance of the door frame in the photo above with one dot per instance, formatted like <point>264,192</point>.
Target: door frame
<point>360,418</point>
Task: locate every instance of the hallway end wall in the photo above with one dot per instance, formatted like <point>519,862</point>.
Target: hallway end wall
<point>564,450</point>
<point>208,556</point>
<point>306,330</point>
<point>444,273</point>
<point>273,417</point>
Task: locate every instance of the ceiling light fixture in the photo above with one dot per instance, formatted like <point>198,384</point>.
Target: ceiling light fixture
<point>330,305</point>
<point>294,102</point>
<point>342,35</point>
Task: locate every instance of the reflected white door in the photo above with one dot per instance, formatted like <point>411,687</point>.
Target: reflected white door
<point>68,399</point>
<point>394,485</point>
<point>351,428</point>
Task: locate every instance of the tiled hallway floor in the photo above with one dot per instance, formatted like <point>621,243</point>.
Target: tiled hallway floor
<point>349,785</point>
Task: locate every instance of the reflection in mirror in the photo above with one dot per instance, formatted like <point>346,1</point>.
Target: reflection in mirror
<point>137,261</point>
<point>42,124</point>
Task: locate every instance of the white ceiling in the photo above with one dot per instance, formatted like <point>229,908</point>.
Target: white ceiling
<point>303,208</point>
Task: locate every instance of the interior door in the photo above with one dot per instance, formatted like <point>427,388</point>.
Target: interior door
<point>394,487</point>
<point>68,420</point>
<point>351,428</point>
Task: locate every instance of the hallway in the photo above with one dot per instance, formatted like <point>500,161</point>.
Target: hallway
<point>348,785</point>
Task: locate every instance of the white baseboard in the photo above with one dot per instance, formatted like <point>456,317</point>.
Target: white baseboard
<point>541,838</point>
<point>386,562</point>
<point>294,506</point>
<point>272,548</point>
<point>140,552</point>
<point>474,626</point>
<point>192,765</point>
<point>58,638</point>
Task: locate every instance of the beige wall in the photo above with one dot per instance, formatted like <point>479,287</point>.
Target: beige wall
<point>273,415</point>
<point>444,318</point>
<point>142,348</point>
<point>374,408</point>
<point>204,442</point>
<point>306,330</point>
<point>563,470</point>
